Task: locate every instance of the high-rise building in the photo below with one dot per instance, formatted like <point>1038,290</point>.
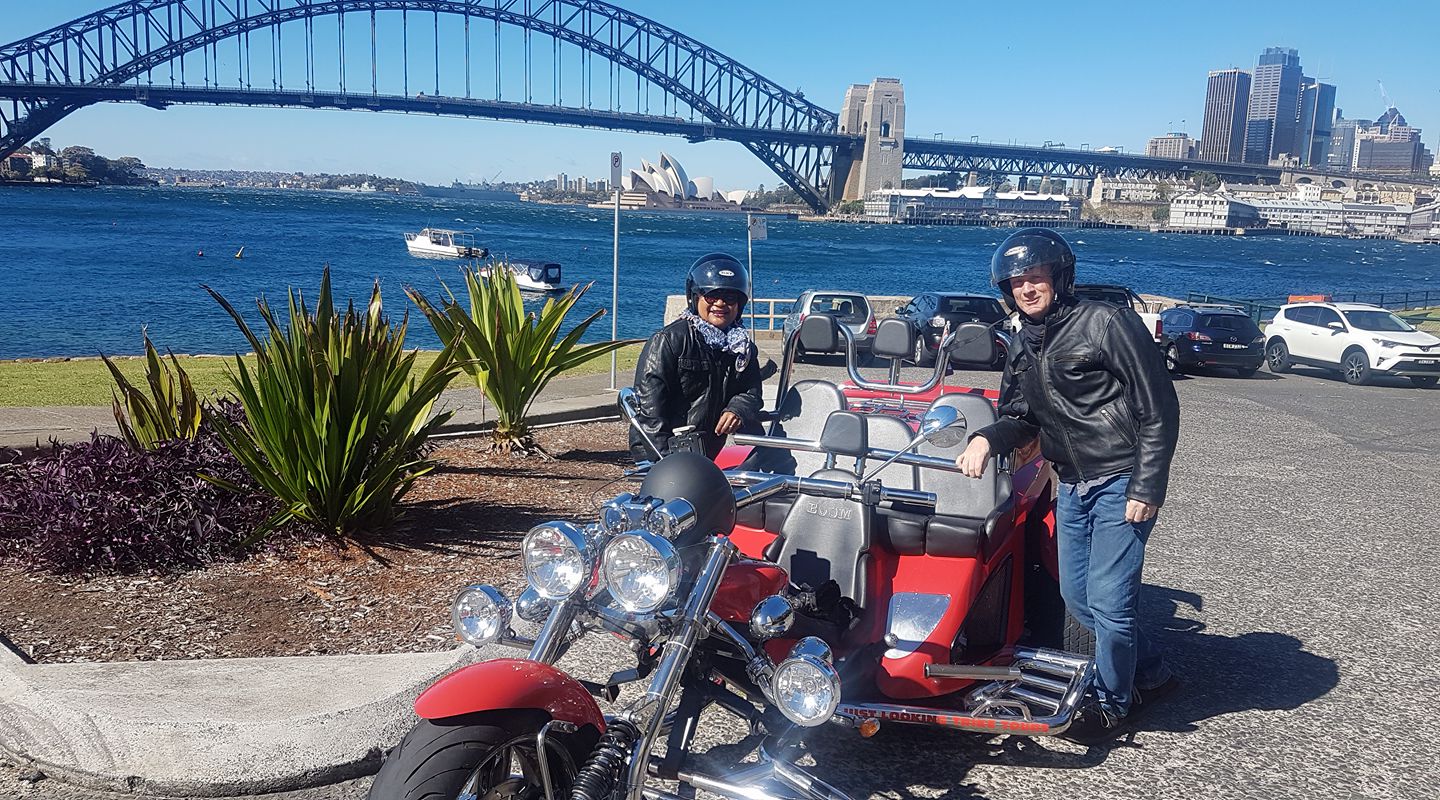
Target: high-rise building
<point>562,182</point>
<point>1227,98</point>
<point>1317,114</point>
<point>1171,145</point>
<point>1342,141</point>
<point>1274,111</point>
<point>1390,147</point>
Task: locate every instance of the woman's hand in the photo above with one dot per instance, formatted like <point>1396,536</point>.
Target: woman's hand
<point>728,424</point>
<point>972,461</point>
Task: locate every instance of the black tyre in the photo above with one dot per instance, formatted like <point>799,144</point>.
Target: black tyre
<point>1172,359</point>
<point>1355,366</point>
<point>480,755</point>
<point>1277,356</point>
<point>1002,354</point>
<point>1246,372</point>
<point>1424,381</point>
<point>921,356</point>
<point>1049,623</point>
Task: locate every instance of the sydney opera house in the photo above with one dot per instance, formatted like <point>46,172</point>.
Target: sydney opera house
<point>666,186</point>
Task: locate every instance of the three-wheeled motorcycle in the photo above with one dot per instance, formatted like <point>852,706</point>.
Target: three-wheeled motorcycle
<point>838,570</point>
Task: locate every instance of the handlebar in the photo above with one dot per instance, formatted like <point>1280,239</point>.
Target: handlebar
<point>911,459</point>
<point>757,486</point>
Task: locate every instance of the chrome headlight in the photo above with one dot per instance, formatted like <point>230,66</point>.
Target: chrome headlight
<point>1385,342</point>
<point>480,614</point>
<point>641,571</point>
<point>671,519</point>
<point>558,560</point>
<point>806,690</point>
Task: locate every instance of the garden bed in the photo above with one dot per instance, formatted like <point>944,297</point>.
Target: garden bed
<point>462,524</point>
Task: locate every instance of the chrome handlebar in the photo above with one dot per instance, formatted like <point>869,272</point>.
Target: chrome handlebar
<point>757,486</point>
<point>911,459</point>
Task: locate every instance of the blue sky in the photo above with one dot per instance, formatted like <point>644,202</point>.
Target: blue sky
<point>1077,72</point>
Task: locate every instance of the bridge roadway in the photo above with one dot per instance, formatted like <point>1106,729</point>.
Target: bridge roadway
<point>1291,580</point>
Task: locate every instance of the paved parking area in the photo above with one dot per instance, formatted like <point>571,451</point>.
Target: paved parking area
<point>1292,581</point>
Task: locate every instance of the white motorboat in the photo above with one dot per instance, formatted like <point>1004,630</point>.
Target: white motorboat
<point>530,276</point>
<point>442,243</point>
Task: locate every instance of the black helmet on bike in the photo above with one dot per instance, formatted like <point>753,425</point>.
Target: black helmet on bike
<point>1026,249</point>
<point>717,271</point>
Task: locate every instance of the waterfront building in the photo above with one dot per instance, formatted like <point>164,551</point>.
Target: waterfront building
<point>1274,112</point>
<point>1227,98</point>
<point>1317,115</point>
<point>1424,223</point>
<point>1105,190</point>
<point>968,205</point>
<point>1208,211</point>
<point>1171,145</point>
<point>667,186</point>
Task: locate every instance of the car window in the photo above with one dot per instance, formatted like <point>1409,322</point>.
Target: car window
<point>1230,322</point>
<point>1115,297</point>
<point>1307,315</point>
<point>1325,316</point>
<point>851,308</point>
<point>1377,321</point>
<point>984,309</point>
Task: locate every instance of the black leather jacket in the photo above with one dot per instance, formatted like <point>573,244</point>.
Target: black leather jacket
<point>1099,397</point>
<point>680,381</point>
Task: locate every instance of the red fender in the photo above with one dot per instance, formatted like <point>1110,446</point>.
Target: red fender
<point>506,683</point>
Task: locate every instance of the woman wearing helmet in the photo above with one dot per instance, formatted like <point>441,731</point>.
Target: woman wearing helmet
<point>1087,379</point>
<point>701,370</point>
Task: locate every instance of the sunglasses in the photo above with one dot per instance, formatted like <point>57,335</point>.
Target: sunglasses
<point>729,296</point>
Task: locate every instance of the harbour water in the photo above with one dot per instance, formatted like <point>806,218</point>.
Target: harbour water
<point>83,271</point>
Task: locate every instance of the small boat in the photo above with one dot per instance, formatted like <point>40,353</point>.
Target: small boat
<point>241,252</point>
<point>530,275</point>
<point>442,243</point>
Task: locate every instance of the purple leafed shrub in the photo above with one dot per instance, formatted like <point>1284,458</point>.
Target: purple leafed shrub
<point>102,506</point>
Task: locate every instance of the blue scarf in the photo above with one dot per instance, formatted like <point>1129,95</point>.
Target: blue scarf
<point>734,339</point>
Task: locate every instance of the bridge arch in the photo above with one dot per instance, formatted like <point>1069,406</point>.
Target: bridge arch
<point>100,57</point>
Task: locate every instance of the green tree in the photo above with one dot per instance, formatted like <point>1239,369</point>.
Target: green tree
<point>1161,214</point>
<point>1204,181</point>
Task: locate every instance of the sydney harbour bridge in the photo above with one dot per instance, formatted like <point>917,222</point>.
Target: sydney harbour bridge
<point>566,62</point>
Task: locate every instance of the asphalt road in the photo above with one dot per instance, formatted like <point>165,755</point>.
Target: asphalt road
<point>1291,581</point>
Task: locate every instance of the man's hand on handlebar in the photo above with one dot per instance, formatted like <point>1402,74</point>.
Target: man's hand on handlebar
<point>972,462</point>
<point>728,424</point>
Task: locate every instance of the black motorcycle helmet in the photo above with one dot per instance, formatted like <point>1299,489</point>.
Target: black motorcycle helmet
<point>1029,248</point>
<point>717,271</point>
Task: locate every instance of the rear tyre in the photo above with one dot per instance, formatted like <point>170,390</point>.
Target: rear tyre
<point>479,755</point>
<point>921,356</point>
<point>1355,366</point>
<point>1424,381</point>
<point>1277,356</point>
<point>1172,359</point>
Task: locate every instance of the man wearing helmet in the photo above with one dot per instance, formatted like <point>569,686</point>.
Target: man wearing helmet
<point>1087,379</point>
<point>700,370</point>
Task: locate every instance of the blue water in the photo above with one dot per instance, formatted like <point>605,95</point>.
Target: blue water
<point>83,271</point>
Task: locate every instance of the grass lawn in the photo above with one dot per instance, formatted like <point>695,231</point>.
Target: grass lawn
<point>1431,324</point>
<point>88,383</point>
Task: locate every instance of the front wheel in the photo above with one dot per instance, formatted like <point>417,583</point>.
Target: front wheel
<point>1356,368</point>
<point>921,357</point>
<point>1172,359</point>
<point>488,755</point>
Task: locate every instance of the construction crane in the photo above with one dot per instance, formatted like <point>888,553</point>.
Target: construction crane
<point>1383,96</point>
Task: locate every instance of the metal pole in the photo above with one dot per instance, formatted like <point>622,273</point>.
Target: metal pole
<point>615,291</point>
<point>750,268</point>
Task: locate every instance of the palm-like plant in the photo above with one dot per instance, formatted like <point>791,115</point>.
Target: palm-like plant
<point>171,411</point>
<point>336,420</point>
<point>511,354</point>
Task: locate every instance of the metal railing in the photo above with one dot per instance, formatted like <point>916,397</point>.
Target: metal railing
<point>769,313</point>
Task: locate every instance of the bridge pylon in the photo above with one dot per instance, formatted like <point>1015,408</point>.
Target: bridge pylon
<point>875,112</point>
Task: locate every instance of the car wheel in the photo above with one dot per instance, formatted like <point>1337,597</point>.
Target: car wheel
<point>1172,359</point>
<point>1356,367</point>
<point>1001,356</point>
<point>921,356</point>
<point>1424,381</point>
<point>1277,356</point>
<point>1246,372</point>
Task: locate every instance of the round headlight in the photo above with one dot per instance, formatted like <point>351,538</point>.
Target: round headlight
<point>671,519</point>
<point>480,614</point>
<point>641,571</point>
<point>806,690</point>
<point>557,560</point>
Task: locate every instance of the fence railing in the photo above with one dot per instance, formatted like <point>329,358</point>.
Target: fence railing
<point>769,312</point>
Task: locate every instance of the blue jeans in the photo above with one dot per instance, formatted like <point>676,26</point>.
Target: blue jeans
<point>1101,558</point>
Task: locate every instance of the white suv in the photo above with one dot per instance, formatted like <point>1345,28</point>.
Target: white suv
<point>1356,339</point>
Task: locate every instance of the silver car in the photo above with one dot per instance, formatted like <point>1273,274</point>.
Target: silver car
<point>851,309</point>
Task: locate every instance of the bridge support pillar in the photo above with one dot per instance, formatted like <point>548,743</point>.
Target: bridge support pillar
<point>876,112</point>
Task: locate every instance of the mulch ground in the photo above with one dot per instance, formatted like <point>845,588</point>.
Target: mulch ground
<point>462,524</point>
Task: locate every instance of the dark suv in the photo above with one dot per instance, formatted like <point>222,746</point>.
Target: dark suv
<point>1211,336</point>
<point>929,312</point>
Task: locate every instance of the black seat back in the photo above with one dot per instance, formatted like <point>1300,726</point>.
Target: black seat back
<point>889,433</point>
<point>957,495</point>
<point>803,412</point>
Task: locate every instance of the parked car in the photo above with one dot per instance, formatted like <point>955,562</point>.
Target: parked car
<point>1205,335</point>
<point>1355,339</point>
<point>928,313</point>
<point>1123,297</point>
<point>849,308</point>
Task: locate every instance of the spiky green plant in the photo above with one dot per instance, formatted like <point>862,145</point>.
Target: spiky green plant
<point>336,420</point>
<point>170,411</point>
<point>510,353</point>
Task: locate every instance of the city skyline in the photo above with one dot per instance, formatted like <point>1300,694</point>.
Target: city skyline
<point>1096,97</point>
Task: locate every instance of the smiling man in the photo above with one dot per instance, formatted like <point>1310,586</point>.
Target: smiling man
<point>701,370</point>
<point>1086,378</point>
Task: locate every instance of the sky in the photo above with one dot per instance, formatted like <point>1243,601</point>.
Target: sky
<point>1094,73</point>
